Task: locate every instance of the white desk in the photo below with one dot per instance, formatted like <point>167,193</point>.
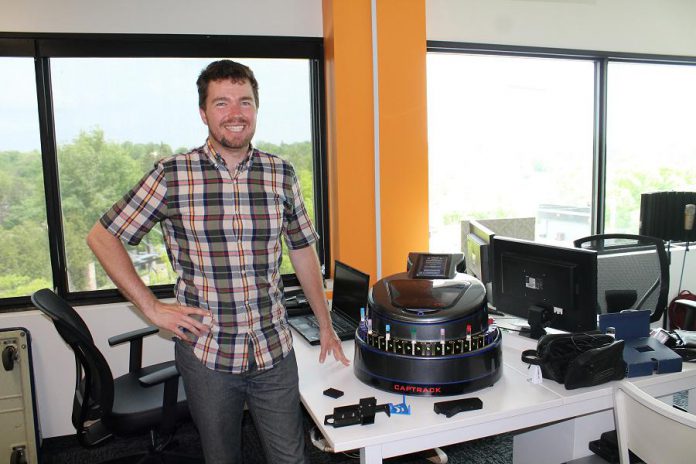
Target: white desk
<point>570,419</point>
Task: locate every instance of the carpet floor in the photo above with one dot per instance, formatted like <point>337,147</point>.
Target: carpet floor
<point>66,450</point>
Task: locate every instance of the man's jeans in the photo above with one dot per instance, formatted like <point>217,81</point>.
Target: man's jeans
<point>216,401</point>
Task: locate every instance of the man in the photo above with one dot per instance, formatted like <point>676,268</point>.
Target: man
<point>223,208</point>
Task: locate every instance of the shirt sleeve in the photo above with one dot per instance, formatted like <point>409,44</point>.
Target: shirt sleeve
<point>134,215</point>
<point>299,231</point>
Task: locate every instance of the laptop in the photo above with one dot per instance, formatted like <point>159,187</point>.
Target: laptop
<point>350,289</point>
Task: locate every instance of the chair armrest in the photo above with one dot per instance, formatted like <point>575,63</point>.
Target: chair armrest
<point>159,376</point>
<point>132,335</point>
<point>170,377</point>
<point>135,338</point>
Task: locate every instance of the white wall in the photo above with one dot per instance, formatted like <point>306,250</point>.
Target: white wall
<point>638,26</point>
<point>219,17</point>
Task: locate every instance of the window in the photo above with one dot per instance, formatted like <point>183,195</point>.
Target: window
<point>651,113</point>
<point>568,139</point>
<point>116,105</point>
<point>24,254</point>
<point>509,137</point>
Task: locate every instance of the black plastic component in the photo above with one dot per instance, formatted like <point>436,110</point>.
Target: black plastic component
<point>686,353</point>
<point>452,407</point>
<point>333,393</point>
<point>9,356</point>
<point>607,447</point>
<point>362,413</point>
<point>538,318</point>
<point>427,373</point>
<point>18,456</point>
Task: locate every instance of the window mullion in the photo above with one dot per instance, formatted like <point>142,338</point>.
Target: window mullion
<point>599,170</point>
<point>50,174</point>
<point>319,160</point>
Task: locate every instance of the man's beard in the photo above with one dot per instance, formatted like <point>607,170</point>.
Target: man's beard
<point>235,145</point>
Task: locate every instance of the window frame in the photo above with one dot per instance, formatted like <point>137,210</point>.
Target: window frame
<point>44,46</point>
<point>601,60</point>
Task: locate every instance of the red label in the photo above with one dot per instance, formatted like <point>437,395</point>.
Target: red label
<point>412,389</point>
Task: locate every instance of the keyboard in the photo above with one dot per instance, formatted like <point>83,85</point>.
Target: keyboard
<point>339,324</point>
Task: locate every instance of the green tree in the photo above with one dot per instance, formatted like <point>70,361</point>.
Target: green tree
<point>300,155</point>
<point>93,174</point>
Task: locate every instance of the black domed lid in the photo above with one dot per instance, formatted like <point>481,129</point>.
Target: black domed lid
<point>426,294</point>
<point>424,300</point>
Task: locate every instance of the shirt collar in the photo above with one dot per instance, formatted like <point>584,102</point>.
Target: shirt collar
<point>217,160</point>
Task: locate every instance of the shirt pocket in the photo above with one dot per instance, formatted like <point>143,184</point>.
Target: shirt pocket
<point>263,223</point>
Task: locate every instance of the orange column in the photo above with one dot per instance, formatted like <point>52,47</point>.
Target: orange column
<point>348,55</point>
<point>403,149</point>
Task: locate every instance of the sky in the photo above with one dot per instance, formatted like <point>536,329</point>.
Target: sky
<point>144,100</point>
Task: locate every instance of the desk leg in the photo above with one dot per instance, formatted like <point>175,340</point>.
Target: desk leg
<point>561,441</point>
<point>371,455</point>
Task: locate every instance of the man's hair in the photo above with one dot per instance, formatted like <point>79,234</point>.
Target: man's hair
<point>223,70</point>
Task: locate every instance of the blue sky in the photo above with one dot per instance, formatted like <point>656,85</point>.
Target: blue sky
<point>144,100</point>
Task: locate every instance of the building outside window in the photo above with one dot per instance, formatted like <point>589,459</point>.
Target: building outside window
<point>509,137</point>
<point>533,135</point>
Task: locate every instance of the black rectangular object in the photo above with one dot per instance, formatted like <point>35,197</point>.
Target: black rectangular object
<point>333,393</point>
<point>561,280</point>
<point>452,407</point>
<point>350,290</point>
<point>662,215</point>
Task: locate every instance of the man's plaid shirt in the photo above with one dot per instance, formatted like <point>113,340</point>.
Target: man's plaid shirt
<point>223,235</point>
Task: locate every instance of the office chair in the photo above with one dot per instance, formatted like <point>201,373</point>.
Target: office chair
<point>655,431</point>
<point>632,272</point>
<point>148,398</point>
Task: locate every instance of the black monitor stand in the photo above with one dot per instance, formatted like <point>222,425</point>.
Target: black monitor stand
<point>538,318</point>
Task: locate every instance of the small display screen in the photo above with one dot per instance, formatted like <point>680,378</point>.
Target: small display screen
<point>432,267</point>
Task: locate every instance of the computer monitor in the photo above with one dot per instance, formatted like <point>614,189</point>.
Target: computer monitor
<point>478,256</point>
<point>546,284</point>
<point>350,290</point>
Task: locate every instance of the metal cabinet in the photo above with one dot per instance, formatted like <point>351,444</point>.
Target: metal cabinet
<point>18,420</point>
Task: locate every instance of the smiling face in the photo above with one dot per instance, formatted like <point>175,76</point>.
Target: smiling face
<point>230,114</point>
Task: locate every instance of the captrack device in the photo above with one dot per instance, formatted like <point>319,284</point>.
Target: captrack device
<point>427,333</point>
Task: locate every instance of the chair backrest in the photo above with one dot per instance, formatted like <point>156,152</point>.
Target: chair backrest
<point>94,384</point>
<point>655,431</point>
<point>632,272</point>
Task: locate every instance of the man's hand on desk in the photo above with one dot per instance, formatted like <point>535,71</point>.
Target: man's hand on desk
<point>331,344</point>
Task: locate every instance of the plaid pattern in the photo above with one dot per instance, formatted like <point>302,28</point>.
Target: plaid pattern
<point>223,235</point>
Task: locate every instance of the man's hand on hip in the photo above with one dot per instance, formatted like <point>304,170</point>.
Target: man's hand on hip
<point>175,317</point>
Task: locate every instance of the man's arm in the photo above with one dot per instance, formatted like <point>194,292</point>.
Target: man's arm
<point>115,260</point>
<point>306,265</point>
